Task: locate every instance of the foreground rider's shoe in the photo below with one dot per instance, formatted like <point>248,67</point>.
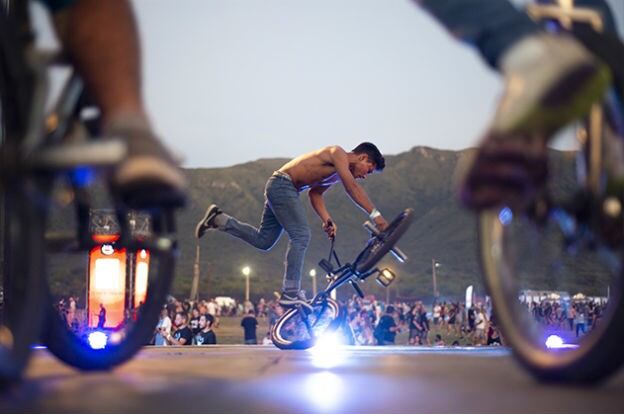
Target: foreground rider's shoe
<point>208,221</point>
<point>148,176</point>
<point>293,299</point>
<point>550,80</point>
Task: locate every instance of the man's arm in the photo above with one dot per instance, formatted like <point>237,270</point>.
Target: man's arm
<point>318,203</point>
<point>353,189</point>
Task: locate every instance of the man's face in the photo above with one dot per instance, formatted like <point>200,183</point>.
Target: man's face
<point>362,167</point>
<point>179,320</point>
<point>202,322</point>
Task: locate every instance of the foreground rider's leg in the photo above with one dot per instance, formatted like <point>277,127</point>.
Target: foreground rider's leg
<point>549,81</point>
<point>102,39</point>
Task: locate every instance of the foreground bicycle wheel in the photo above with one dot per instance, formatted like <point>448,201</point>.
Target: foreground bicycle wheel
<point>21,217</point>
<point>292,332</point>
<point>554,273</point>
<point>91,348</point>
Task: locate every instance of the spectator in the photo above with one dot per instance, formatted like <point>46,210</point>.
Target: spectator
<point>438,340</point>
<point>182,334</point>
<point>194,322</point>
<point>416,329</point>
<point>206,335</point>
<point>101,316</point>
<point>480,322</point>
<point>163,328</point>
<point>249,324</point>
<point>493,336</point>
<point>386,329</point>
<point>580,320</point>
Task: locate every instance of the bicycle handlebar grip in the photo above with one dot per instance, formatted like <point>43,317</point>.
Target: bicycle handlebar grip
<point>398,253</point>
<point>368,225</point>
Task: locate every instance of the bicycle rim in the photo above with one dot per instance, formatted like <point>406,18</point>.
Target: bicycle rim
<point>291,332</point>
<point>91,348</point>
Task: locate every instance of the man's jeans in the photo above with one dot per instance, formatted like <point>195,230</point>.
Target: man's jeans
<point>494,25</point>
<point>282,210</point>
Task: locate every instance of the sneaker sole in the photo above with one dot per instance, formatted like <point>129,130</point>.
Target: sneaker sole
<point>203,220</point>
<point>565,104</point>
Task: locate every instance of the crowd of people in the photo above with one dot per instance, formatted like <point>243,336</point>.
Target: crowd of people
<point>579,317</point>
<point>371,321</point>
<point>376,323</point>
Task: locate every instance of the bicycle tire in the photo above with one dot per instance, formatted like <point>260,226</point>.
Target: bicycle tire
<point>23,294</point>
<point>22,221</point>
<point>290,325</point>
<point>597,357</point>
<point>379,246</point>
<point>76,352</point>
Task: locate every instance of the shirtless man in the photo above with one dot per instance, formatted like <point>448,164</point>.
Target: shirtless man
<point>283,210</point>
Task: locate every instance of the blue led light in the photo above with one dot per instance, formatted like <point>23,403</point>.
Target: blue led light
<point>98,340</point>
<point>505,216</point>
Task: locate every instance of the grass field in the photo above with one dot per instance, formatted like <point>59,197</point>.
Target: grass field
<point>230,332</point>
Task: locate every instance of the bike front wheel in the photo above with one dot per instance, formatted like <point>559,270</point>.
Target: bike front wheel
<point>296,330</point>
<point>380,245</point>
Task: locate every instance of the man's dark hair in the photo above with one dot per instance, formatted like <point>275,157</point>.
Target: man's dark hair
<point>373,154</point>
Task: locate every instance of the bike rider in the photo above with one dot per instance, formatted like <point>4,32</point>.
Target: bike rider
<point>316,171</point>
<point>550,80</point>
<point>101,38</point>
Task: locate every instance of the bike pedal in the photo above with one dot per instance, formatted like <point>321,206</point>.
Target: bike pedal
<point>326,266</point>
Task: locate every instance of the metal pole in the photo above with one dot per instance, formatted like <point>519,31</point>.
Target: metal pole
<point>247,287</point>
<point>195,284</point>
<point>435,286</point>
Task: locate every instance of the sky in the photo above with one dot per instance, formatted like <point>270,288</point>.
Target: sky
<point>230,81</point>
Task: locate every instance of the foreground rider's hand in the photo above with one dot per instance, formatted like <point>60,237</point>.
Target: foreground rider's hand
<point>330,228</point>
<point>381,223</point>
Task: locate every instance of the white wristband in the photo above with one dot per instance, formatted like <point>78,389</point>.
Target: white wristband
<point>374,214</point>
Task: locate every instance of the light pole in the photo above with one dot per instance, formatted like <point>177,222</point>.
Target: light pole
<point>246,272</point>
<point>434,266</point>
<point>313,276</point>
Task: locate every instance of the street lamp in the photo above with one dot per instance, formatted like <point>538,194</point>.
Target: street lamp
<point>434,266</point>
<point>313,276</point>
<point>246,271</point>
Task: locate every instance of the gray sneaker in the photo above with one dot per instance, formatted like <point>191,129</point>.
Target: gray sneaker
<point>550,80</point>
<point>207,222</point>
<point>148,176</point>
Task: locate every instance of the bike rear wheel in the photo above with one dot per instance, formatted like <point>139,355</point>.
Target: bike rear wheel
<point>380,245</point>
<point>291,331</point>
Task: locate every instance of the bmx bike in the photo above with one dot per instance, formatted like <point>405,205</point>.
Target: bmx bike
<point>49,169</point>
<point>554,270</point>
<point>301,326</point>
